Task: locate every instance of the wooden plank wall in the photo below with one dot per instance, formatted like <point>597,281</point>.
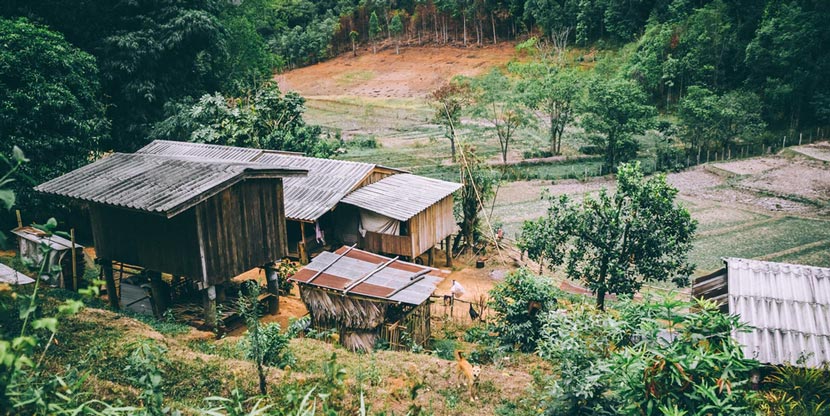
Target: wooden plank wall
<point>388,244</point>
<point>432,225</point>
<point>243,227</point>
<point>151,241</point>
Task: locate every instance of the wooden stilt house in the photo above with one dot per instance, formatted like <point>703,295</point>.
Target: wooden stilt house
<point>368,298</point>
<point>201,220</point>
<point>383,210</point>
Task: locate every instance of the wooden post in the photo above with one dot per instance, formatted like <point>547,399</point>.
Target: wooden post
<point>272,279</point>
<point>106,266</point>
<point>448,251</point>
<point>302,248</point>
<point>221,296</point>
<point>430,256</point>
<point>19,219</point>
<point>209,299</point>
<point>158,292</point>
<point>74,259</point>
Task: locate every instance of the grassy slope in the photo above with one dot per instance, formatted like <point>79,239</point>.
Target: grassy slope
<point>98,342</point>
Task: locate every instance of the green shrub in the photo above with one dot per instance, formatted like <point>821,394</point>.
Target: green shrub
<point>445,348</point>
<point>364,142</point>
<point>518,303</point>
<point>274,345</point>
<point>797,391</point>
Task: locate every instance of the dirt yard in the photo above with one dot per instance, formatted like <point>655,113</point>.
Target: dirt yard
<point>416,72</point>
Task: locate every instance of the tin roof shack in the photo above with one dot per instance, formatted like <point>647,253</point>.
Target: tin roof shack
<point>405,215</point>
<point>787,305</point>
<point>30,240</point>
<point>366,297</point>
<point>310,200</point>
<point>201,220</point>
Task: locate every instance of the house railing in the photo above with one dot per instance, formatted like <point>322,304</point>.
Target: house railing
<point>400,245</point>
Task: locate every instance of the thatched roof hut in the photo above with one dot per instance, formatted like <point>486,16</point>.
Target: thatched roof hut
<point>366,297</point>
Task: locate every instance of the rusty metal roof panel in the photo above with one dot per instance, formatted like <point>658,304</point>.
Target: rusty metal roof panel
<point>155,184</point>
<point>788,306</point>
<point>390,283</point>
<point>401,196</point>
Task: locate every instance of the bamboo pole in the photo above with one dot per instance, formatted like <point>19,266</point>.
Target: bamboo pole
<point>19,219</point>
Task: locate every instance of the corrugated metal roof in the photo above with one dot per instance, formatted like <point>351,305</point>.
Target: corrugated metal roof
<point>327,182</point>
<point>55,242</point>
<point>392,283</point>
<point>200,150</point>
<point>156,184</point>
<point>13,277</point>
<point>401,196</point>
<point>306,198</point>
<point>789,307</point>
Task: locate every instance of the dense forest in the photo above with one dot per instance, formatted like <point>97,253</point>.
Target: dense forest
<point>117,74</point>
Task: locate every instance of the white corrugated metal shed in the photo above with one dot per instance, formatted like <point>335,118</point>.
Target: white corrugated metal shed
<point>306,198</point>
<point>789,307</point>
<point>153,183</point>
<point>401,196</point>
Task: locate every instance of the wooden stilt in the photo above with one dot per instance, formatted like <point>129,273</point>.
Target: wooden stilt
<point>272,277</point>
<point>106,266</point>
<point>209,299</point>
<point>158,292</point>
<point>431,256</point>
<point>221,296</point>
<point>302,246</point>
<point>448,251</point>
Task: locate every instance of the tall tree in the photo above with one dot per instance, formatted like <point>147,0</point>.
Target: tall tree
<point>615,110</point>
<point>495,99</point>
<point>712,122</point>
<point>374,31</point>
<point>149,52</point>
<point>51,105</point>
<point>396,28</point>
<point>267,119</point>
<point>552,91</point>
<point>615,243</point>
<point>448,102</point>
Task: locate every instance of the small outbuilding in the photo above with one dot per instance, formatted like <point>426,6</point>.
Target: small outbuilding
<point>367,298</point>
<point>787,307</point>
<point>199,220</point>
<point>64,254</point>
<point>405,215</point>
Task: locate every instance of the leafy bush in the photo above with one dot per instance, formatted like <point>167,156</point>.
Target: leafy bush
<point>274,344</point>
<point>364,142</point>
<point>797,391</point>
<point>536,153</point>
<point>445,348</point>
<point>694,365</point>
<point>579,342</point>
<point>518,303</point>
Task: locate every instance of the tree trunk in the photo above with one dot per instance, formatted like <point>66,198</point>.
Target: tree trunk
<point>464,20</point>
<point>493,21</point>
<point>553,147</point>
<point>354,49</point>
<point>601,299</point>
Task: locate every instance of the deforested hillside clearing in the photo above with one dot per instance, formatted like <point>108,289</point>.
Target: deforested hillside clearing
<point>414,73</point>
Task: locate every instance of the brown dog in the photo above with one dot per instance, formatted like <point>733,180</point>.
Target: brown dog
<point>468,371</point>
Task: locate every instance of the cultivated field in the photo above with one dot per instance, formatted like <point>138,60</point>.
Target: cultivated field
<point>773,208</point>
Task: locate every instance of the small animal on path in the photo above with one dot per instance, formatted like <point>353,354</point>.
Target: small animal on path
<point>468,371</point>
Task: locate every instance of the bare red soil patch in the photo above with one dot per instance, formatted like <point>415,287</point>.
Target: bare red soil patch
<point>414,73</point>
